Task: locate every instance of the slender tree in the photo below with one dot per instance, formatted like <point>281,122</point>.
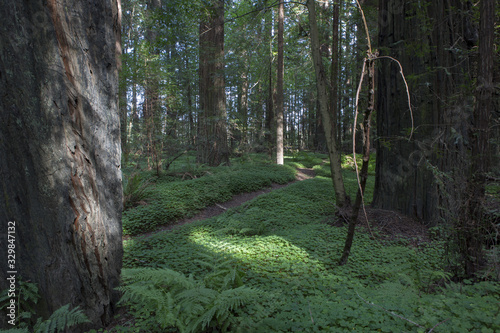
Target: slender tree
<point>329,126</point>
<point>152,99</point>
<point>279,85</point>
<point>60,151</point>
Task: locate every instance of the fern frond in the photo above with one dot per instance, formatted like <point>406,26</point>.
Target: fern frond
<point>200,295</point>
<point>28,291</point>
<point>153,293</point>
<point>214,309</point>
<point>61,319</point>
<point>159,277</point>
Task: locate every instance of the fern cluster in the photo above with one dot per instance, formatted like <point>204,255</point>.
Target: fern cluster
<point>62,319</point>
<point>134,190</point>
<point>165,299</point>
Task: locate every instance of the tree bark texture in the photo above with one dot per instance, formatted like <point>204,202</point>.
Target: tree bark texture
<point>60,150</point>
<point>473,222</point>
<point>213,146</point>
<point>328,125</point>
<point>409,175</point>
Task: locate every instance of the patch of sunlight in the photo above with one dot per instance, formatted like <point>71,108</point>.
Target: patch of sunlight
<point>128,243</point>
<point>262,253</point>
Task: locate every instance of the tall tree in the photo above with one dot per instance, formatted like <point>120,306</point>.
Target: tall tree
<point>473,219</point>
<point>441,106</point>
<point>329,126</point>
<point>60,150</point>
<point>152,99</point>
<point>271,88</point>
<point>334,80</point>
<point>279,85</point>
<point>212,140</point>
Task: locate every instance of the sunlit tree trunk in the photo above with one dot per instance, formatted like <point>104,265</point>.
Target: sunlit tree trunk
<point>279,86</point>
<point>60,151</point>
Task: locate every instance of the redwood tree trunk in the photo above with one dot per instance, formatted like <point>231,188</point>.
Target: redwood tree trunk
<point>473,222</point>
<point>409,173</point>
<point>60,150</point>
<point>213,147</point>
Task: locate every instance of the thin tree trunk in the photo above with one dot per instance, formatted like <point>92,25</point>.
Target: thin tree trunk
<point>152,102</point>
<point>279,86</point>
<point>269,123</point>
<point>363,174</point>
<point>334,93</point>
<point>328,125</point>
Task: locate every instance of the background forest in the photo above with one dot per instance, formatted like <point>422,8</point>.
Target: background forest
<point>318,119</point>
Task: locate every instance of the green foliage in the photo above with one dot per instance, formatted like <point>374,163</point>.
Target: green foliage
<point>135,189</point>
<point>280,244</point>
<point>62,319</point>
<point>163,299</point>
<point>170,201</point>
<point>302,159</point>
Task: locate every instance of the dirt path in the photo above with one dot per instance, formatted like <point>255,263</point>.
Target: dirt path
<point>391,225</point>
<point>220,208</point>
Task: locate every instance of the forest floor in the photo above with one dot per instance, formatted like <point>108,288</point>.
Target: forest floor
<point>281,243</point>
<point>389,225</point>
<point>237,200</point>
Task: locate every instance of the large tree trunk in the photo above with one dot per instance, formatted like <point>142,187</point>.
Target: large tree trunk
<point>328,125</point>
<point>409,176</point>
<point>60,150</point>
<point>213,147</point>
<point>473,222</point>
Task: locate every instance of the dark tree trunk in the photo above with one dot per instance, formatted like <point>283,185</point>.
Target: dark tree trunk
<point>212,144</point>
<point>409,171</point>
<point>60,150</point>
<point>473,222</point>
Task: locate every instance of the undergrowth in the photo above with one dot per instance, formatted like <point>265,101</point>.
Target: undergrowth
<point>168,201</point>
<point>280,247</point>
<point>25,321</point>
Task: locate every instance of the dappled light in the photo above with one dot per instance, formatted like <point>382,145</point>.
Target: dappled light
<point>249,166</point>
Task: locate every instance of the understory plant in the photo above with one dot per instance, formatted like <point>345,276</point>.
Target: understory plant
<point>283,245</point>
<point>163,299</point>
<point>135,190</point>
<point>26,322</point>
